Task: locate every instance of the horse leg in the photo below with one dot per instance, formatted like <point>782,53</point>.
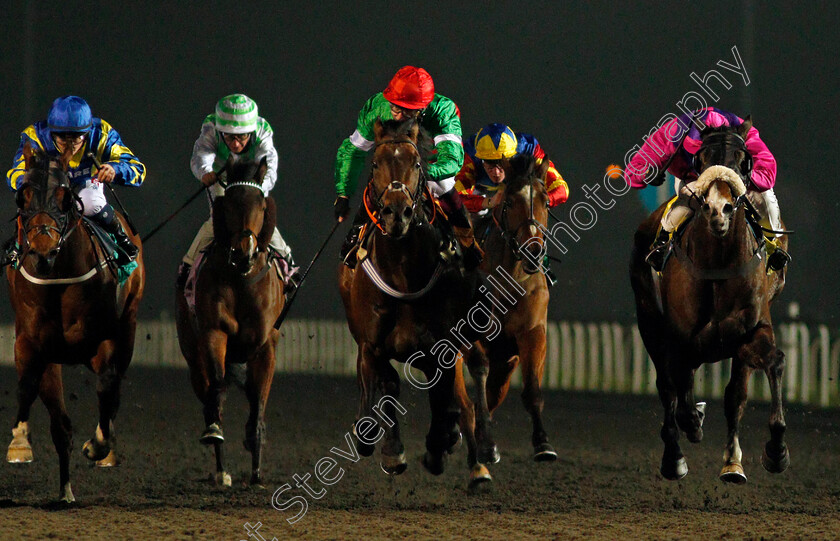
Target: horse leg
<point>762,353</point>
<point>479,474</point>
<point>211,354</point>
<point>367,377</point>
<point>735,398</point>
<point>673,466</point>
<point>443,435</point>
<point>532,358</point>
<point>689,415</point>
<point>100,448</point>
<point>52,395</point>
<point>30,371</point>
<point>478,364</point>
<point>393,452</point>
<point>260,372</point>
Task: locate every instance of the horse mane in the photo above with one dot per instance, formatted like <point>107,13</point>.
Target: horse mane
<point>721,172</point>
<point>398,128</point>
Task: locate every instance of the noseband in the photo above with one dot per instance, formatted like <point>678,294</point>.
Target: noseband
<point>416,198</point>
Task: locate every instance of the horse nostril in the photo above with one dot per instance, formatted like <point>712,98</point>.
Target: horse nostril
<point>407,213</point>
<point>53,252</point>
<point>387,211</point>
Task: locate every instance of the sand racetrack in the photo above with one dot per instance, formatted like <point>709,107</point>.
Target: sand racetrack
<point>606,484</point>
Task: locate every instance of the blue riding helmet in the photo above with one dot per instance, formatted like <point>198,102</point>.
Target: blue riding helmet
<point>494,142</point>
<point>69,114</point>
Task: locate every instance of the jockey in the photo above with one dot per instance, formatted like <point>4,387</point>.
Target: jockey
<point>70,124</point>
<point>410,94</point>
<point>662,147</point>
<point>236,130</point>
<point>481,176</point>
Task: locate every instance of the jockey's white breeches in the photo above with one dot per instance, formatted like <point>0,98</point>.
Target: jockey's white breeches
<point>93,197</point>
<point>205,236</point>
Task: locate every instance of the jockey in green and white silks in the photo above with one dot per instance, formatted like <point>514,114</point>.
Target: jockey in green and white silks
<point>410,94</point>
<point>234,130</point>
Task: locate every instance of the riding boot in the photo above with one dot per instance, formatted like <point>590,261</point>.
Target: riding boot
<point>659,249</point>
<point>9,253</point>
<point>124,243</point>
<point>777,257</point>
<point>351,242</point>
<point>183,274</point>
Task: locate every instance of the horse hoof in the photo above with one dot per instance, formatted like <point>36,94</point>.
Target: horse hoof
<point>480,478</point>
<point>65,496</point>
<point>454,445</point>
<point>775,463</point>
<point>20,450</point>
<point>489,455</point>
<point>544,453</point>
<point>256,481</point>
<point>695,436</point>
<point>674,471</point>
<point>222,479</point>
<point>109,461</point>
<point>733,473</point>
<point>95,451</point>
<point>212,434</point>
<point>433,464</point>
<point>393,465</point>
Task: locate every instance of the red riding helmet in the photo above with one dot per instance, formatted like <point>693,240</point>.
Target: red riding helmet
<point>411,88</point>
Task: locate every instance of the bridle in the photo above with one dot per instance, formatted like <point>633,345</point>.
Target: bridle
<point>245,233</point>
<point>722,140</point>
<point>415,198</point>
<point>65,221</point>
<point>510,236</point>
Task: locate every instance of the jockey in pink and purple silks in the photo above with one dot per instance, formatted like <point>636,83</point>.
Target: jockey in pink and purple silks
<point>675,144</point>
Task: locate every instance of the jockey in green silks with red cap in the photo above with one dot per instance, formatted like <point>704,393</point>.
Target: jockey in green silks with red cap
<point>410,94</point>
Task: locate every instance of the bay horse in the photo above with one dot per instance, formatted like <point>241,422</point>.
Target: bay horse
<point>402,300</point>
<point>513,241</point>
<point>238,296</point>
<point>712,302</point>
<point>70,308</point>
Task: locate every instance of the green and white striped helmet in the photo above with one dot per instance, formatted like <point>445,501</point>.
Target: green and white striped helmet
<point>236,113</point>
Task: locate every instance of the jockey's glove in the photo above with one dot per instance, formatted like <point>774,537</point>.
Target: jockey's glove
<point>659,179</point>
<point>341,207</point>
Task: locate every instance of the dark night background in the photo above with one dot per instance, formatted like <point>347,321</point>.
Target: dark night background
<point>588,79</point>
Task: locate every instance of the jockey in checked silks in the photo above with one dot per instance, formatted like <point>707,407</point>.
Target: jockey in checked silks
<point>235,130</point>
<point>410,94</point>
<point>761,179</point>
<point>483,173</point>
<point>91,140</point>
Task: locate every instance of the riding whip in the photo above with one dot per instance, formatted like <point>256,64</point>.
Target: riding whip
<point>288,305</point>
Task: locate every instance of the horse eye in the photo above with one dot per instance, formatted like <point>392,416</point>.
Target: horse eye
<point>727,208</point>
<point>374,165</point>
<point>706,206</point>
<point>417,165</point>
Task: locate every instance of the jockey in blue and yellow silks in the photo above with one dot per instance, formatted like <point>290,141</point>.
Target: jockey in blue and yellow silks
<point>70,123</point>
<point>482,173</point>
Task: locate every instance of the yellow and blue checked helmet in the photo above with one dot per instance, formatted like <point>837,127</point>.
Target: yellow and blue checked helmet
<point>494,142</point>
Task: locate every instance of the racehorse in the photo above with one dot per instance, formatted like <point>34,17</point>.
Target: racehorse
<point>238,296</point>
<point>70,308</point>
<point>712,302</point>
<point>402,300</point>
<point>515,243</point>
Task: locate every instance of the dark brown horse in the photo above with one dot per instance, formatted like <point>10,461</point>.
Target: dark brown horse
<point>401,300</point>
<point>515,244</point>
<point>712,302</point>
<point>238,296</point>
<point>70,308</point>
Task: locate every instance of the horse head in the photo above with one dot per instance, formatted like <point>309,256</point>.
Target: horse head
<point>725,146</point>
<point>721,191</point>
<point>243,218</point>
<point>396,184</point>
<point>46,206</point>
<point>523,214</point>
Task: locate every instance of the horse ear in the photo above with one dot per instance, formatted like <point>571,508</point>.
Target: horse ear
<point>378,128</point>
<point>414,131</point>
<point>27,155</point>
<point>65,158</point>
<point>263,169</point>
<point>745,127</point>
